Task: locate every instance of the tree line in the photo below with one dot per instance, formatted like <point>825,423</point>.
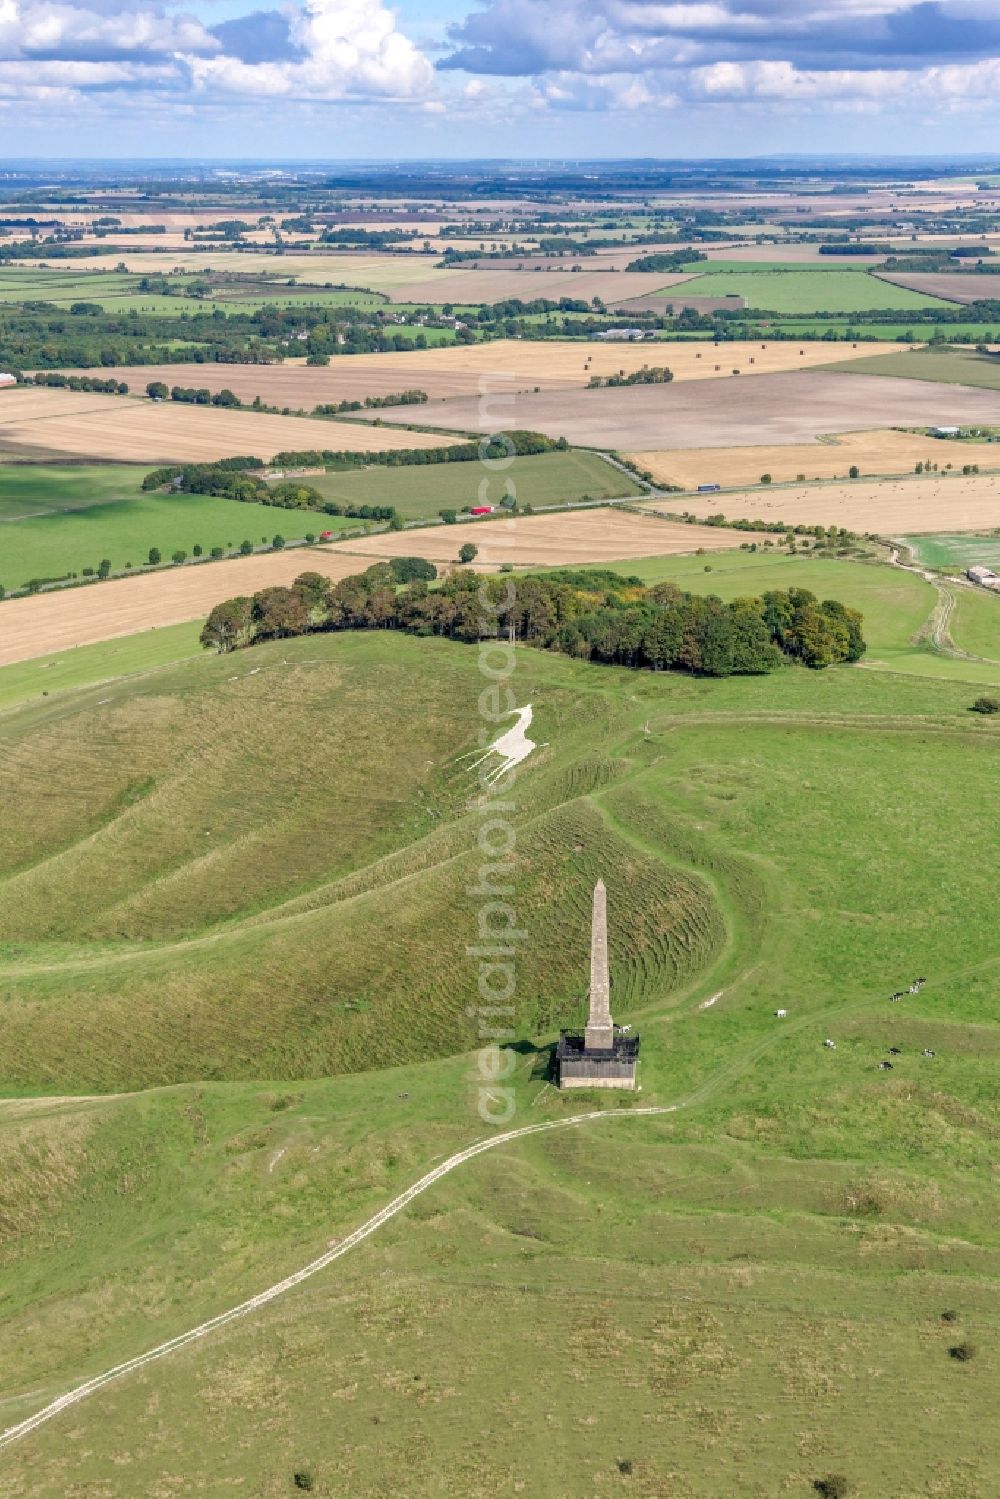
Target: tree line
<point>589,615</point>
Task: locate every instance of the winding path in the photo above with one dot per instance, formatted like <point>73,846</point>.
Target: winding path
<point>234,1314</point>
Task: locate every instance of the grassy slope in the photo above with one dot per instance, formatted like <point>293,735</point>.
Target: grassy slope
<point>94,665</point>
<point>975,625</point>
<point>644,1292</point>
<point>808,290</point>
<point>422,490</point>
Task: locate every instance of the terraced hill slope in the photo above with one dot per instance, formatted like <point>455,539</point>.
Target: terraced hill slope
<point>739,1297</point>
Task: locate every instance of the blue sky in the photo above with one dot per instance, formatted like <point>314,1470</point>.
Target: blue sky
<point>363,78</point>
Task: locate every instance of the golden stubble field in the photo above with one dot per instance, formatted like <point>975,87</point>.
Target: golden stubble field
<point>875,453</point>
<point>887,507</point>
<point>49,622</point>
<point>493,370</point>
<point>44,422</point>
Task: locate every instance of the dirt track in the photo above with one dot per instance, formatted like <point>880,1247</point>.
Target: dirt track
<point>104,611</point>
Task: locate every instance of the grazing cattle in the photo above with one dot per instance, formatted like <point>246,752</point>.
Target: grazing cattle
<point>894,1051</point>
<point>885,1066</point>
<point>831,1044</point>
<point>928,1052</point>
<point>780,1014</point>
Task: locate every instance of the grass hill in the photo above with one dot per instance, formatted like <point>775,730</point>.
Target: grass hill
<point>240,929</point>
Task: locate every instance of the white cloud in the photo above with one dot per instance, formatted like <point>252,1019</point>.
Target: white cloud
<point>351,49</point>
<point>70,31</point>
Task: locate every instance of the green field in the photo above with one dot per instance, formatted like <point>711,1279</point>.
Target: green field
<point>93,665</point>
<point>975,625</point>
<point>943,366</point>
<point>118,292</point>
<point>419,491</point>
<point>123,530</point>
<point>804,291</point>
<point>39,489</point>
<point>956,551</point>
<point>237,902</point>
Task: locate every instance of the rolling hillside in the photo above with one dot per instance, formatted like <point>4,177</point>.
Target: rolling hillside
<point>242,930</point>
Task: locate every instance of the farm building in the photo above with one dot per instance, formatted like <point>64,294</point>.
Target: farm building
<point>985,577</point>
<point>622,335</point>
<point>604,1056</point>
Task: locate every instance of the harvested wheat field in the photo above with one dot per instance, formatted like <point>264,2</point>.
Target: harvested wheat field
<point>876,454</point>
<point>887,507</point>
<point>47,622</point>
<point>493,370</point>
<point>793,407</point>
<point>568,539</point>
<point>43,423</point>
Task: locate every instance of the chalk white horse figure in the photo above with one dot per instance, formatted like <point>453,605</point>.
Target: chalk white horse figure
<point>512,747</point>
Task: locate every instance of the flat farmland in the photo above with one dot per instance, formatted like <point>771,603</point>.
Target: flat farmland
<point>809,291</point>
<point>793,407</point>
<point>419,491</point>
<point>941,366</point>
<point>493,370</point>
<point>51,622</point>
<point>34,489</point>
<point>956,551</point>
<point>952,286</point>
<point>796,256</point>
<point>889,507</point>
<point>123,531</point>
<point>874,453</point>
<point>570,539</point>
<point>41,422</point>
<point>402,278</point>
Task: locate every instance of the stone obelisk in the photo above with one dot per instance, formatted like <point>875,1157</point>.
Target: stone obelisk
<point>600,1033</point>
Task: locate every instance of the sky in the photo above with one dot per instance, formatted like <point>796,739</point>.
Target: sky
<point>335,79</point>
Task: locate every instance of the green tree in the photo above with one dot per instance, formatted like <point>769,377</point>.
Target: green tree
<point>277,542</point>
<point>468,552</point>
<point>196,550</point>
<point>228,626</point>
<point>104,568</point>
<point>155,557</point>
<point>448,516</point>
<point>246,548</point>
<point>986,705</point>
<point>156,390</point>
<point>178,557</point>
